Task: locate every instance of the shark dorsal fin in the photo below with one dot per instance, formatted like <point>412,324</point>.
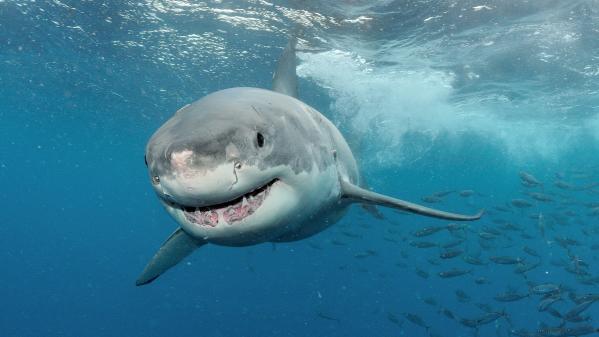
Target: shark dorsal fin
<point>284,79</point>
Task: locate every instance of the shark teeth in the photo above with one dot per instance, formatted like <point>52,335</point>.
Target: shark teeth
<point>228,212</point>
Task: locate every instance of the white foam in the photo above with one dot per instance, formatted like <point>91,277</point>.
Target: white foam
<point>409,97</point>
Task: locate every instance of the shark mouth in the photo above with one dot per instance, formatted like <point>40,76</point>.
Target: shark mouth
<point>229,212</point>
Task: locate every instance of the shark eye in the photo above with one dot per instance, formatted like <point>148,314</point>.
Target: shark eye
<point>155,180</point>
<point>260,139</point>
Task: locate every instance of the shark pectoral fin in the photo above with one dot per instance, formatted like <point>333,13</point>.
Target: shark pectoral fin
<point>284,79</point>
<point>173,250</point>
<point>358,194</point>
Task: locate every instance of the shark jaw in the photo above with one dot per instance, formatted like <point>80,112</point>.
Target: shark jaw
<point>227,213</point>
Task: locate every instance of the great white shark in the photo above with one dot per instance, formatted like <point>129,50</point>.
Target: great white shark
<point>243,166</point>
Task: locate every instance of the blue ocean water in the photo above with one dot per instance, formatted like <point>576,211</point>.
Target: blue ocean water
<point>432,96</point>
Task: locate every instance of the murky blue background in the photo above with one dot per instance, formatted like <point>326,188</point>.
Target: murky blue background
<point>432,95</point>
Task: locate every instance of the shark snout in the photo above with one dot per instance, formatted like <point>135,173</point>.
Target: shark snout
<point>181,160</point>
<point>190,185</point>
<point>187,162</point>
